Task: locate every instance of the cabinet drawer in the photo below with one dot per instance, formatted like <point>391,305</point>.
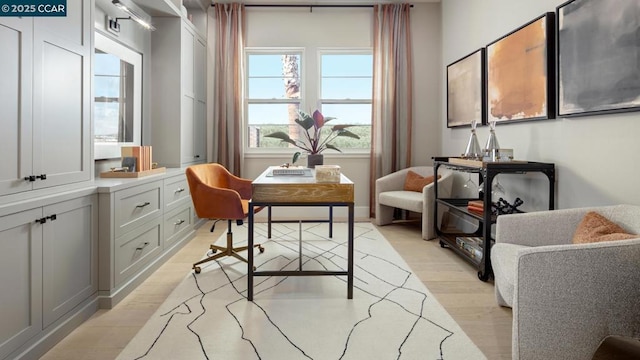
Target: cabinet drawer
<point>176,192</point>
<point>136,205</point>
<point>135,249</point>
<point>176,224</point>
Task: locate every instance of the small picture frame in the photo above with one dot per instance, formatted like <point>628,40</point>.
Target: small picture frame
<point>130,163</point>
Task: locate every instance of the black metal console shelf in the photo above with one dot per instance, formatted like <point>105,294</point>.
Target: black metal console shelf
<point>487,171</point>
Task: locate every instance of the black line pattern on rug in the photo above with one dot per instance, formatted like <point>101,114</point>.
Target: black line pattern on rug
<point>328,255</point>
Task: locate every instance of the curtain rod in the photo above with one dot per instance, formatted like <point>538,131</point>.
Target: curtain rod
<point>311,6</point>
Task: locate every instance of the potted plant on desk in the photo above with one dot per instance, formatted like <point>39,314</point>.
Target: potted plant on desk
<point>315,140</point>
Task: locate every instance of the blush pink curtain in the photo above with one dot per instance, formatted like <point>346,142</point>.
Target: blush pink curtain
<point>229,86</point>
<point>392,116</point>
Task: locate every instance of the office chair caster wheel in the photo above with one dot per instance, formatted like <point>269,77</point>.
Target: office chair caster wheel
<point>212,250</point>
<point>261,249</point>
<point>197,269</point>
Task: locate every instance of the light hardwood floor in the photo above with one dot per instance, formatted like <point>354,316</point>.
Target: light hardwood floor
<point>453,281</point>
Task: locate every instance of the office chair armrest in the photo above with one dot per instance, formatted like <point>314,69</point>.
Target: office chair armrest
<point>242,186</point>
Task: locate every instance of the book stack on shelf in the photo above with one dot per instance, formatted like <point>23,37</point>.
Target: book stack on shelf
<point>476,206</point>
<point>137,161</point>
<point>138,156</point>
<point>472,245</point>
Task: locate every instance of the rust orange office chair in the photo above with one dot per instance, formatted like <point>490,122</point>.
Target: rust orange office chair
<point>219,195</point>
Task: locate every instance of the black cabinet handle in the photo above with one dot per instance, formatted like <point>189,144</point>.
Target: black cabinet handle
<point>146,203</point>
<point>178,190</point>
<point>179,222</point>
<point>44,219</point>
<point>143,246</point>
<point>197,156</point>
<point>32,178</point>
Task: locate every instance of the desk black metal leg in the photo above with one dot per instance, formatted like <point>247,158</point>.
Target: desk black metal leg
<point>331,222</point>
<point>269,222</point>
<point>350,255</point>
<point>250,255</point>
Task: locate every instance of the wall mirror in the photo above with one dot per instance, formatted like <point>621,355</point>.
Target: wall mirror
<point>117,79</point>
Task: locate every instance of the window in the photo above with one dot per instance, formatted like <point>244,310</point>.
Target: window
<point>274,95</point>
<point>118,97</point>
<point>346,83</point>
<point>278,84</point>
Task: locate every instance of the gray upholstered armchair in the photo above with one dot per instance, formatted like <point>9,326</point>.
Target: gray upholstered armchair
<point>566,298</point>
<point>390,194</point>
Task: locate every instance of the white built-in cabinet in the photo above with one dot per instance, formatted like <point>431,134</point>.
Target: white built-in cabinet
<point>142,222</point>
<point>46,126</point>
<point>48,267</point>
<point>178,90</point>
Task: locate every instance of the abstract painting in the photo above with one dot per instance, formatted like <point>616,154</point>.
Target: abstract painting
<point>465,90</point>
<point>598,57</point>
<point>520,73</point>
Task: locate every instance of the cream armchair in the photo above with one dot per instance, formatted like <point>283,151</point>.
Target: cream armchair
<point>566,298</point>
<point>390,194</point>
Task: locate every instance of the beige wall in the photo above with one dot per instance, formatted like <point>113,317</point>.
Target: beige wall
<point>351,27</point>
<point>596,157</point>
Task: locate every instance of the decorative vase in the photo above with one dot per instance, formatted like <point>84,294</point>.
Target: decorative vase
<point>473,147</point>
<point>314,159</point>
<point>492,147</point>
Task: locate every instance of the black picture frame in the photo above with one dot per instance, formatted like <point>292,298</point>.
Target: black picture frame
<point>466,96</point>
<point>521,73</point>
<point>598,57</point>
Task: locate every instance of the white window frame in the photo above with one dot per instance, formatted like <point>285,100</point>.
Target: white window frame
<point>310,91</point>
<point>301,101</point>
<point>320,101</point>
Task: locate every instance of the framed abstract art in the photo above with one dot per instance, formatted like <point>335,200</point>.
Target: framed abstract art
<point>466,90</point>
<point>521,73</point>
<point>598,57</point>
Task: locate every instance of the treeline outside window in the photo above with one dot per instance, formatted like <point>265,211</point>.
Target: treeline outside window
<point>278,85</point>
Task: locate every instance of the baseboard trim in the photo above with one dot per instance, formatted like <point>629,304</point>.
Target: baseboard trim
<point>49,337</point>
<point>109,299</point>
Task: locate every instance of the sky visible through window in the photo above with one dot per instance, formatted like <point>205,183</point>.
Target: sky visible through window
<point>346,78</point>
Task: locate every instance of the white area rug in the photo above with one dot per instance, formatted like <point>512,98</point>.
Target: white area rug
<point>391,316</point>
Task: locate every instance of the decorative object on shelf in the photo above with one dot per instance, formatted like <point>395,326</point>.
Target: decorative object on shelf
<point>597,73</point>
<point>328,173</point>
<point>472,245</point>
<point>502,206</point>
<point>466,94</point>
<point>473,147</point>
<point>492,148</point>
<point>520,73</point>
<point>314,143</point>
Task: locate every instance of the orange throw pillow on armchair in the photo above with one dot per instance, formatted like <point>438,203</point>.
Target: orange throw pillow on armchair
<point>595,228</point>
<point>415,181</point>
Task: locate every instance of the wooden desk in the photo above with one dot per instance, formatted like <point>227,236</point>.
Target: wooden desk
<point>301,191</point>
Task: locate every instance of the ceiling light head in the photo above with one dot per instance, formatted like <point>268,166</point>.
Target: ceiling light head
<point>135,13</point>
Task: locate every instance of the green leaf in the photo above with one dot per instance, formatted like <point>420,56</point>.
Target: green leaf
<point>348,133</point>
<point>282,136</point>
<point>296,155</point>
<point>306,123</point>
<point>329,146</point>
